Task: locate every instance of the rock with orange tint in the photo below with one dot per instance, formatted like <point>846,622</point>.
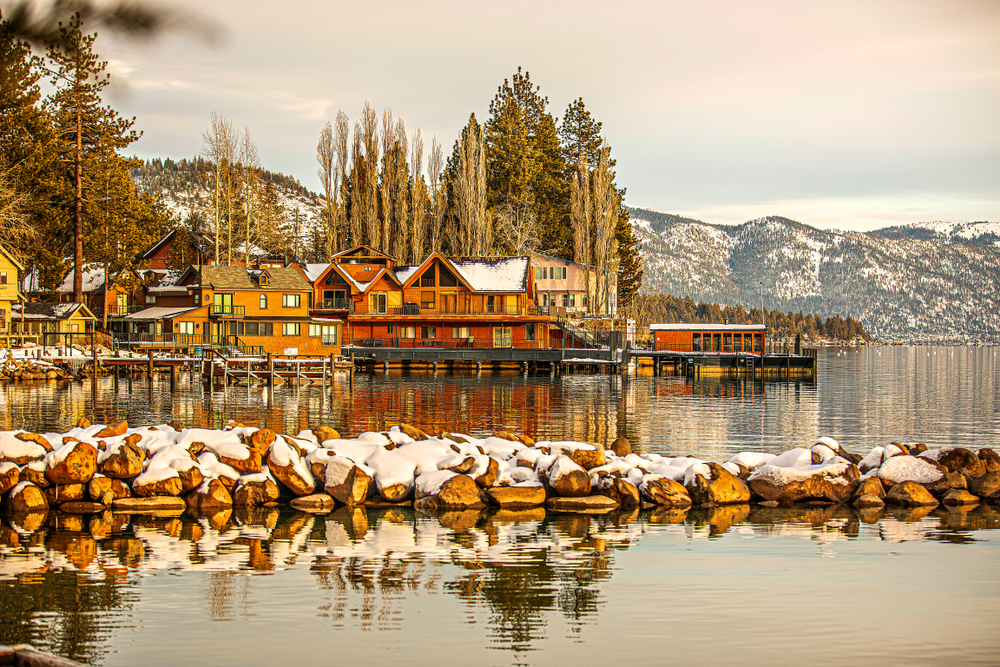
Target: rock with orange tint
<point>106,490</point>
<point>253,490</point>
<point>124,462</point>
<point>157,482</point>
<point>245,461</point>
<point>212,494</point>
<point>348,482</point>
<point>715,486</point>
<point>489,477</point>
<point>83,422</point>
<point>516,497</point>
<point>64,493</point>
<point>25,497</point>
<point>619,489</point>
<point>113,431</point>
<point>74,463</point>
<point>664,492</point>
<point>10,475</point>
<point>261,439</point>
<point>35,438</point>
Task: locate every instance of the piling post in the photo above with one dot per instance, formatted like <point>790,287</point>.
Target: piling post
<point>149,366</point>
<point>211,369</point>
<point>270,370</point>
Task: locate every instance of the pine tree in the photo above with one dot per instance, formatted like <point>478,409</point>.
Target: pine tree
<point>82,123</point>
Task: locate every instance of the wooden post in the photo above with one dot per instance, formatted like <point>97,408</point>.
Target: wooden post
<point>270,370</point>
<point>150,366</point>
<point>351,380</point>
<point>209,354</point>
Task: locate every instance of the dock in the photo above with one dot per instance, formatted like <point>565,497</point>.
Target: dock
<point>738,364</point>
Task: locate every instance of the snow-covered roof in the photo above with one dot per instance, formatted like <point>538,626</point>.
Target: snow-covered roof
<point>93,279</point>
<point>685,326</point>
<point>494,274</point>
<point>314,271</point>
<point>45,311</point>
<point>404,273</point>
<point>158,313</point>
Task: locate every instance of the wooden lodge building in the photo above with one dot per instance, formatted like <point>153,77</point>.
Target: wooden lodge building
<point>256,310</point>
<point>445,302</point>
<point>709,338</point>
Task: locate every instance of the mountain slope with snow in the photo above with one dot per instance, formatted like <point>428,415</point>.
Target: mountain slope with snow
<point>900,287</point>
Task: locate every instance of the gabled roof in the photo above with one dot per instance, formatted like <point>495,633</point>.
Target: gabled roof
<point>10,258</point>
<point>494,274</point>
<point>314,271</point>
<point>50,311</point>
<point>239,278</point>
<point>93,279</point>
<point>414,273</point>
<point>202,242</point>
<point>373,252</point>
<point>360,287</point>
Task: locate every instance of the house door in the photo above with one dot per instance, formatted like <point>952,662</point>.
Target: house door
<point>501,336</point>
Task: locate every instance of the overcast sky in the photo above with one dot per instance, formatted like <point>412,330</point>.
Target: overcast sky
<point>837,114</point>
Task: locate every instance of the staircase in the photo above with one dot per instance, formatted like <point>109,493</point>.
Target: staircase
<point>582,336</point>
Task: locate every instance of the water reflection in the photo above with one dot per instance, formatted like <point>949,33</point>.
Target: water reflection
<point>68,582</point>
<point>941,396</point>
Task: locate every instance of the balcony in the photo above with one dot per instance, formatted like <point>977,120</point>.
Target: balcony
<point>413,309</point>
<point>227,312</point>
<point>333,304</point>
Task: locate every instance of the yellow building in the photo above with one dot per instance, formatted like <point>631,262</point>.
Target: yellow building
<point>36,319</point>
<point>10,270</point>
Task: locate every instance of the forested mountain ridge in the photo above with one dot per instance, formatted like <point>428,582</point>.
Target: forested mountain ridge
<point>899,287</point>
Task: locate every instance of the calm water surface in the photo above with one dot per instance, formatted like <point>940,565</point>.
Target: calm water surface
<point>740,585</point>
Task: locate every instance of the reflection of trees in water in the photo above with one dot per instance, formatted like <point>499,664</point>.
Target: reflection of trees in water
<point>73,579</point>
<point>66,612</point>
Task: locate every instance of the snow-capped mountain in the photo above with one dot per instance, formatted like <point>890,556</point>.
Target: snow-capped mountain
<point>899,285</point>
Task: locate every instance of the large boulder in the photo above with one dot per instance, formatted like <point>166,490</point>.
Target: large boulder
<point>459,492</point>
<point>256,489</point>
<point>905,468</point>
<point>867,501</point>
<point>122,462</point>
<point>261,440</point>
<point>242,459</point>
<point>990,459</point>
<point>157,482</point>
<point>168,505</point>
<point>948,481</point>
<point>488,477</point>
<point>290,469</point>
<point>985,486</point>
<point>621,447</point>
<point>212,494</point>
<point>620,490</point>
<point>711,484</point>
<point>106,490</point>
<point>568,479</point>
<point>113,431</point>
<point>348,482</point>
<point>25,497</point>
<point>664,492</point>
<point>35,438</point>
<point>20,452</point>
<point>74,463</point>
<point>10,475</point>
<point>34,472</point>
<point>871,486</point>
<point>910,494</point>
<point>959,497</point>
<point>959,458</point>
<point>517,497</point>
<point>314,503</point>
<point>834,479</point>
<point>588,458</point>
<point>324,433</point>
<point>64,493</point>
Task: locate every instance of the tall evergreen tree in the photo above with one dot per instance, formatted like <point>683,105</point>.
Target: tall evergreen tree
<point>82,122</point>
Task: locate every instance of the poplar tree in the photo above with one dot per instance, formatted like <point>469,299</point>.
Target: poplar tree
<point>468,193</point>
<point>326,156</point>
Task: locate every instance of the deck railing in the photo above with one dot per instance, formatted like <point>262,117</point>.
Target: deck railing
<point>470,343</point>
<point>226,311</point>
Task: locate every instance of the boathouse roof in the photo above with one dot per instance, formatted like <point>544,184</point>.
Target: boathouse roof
<point>158,313</point>
<point>494,274</point>
<point>687,326</point>
<point>240,278</point>
<point>34,310</point>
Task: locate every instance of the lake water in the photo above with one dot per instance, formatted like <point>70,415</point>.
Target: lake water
<point>756,586</point>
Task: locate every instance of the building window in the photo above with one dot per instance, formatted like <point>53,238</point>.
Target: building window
<point>427,280</point>
<point>461,332</point>
<point>186,328</point>
<point>427,300</point>
<point>328,332</point>
<point>291,300</point>
<point>539,273</point>
<point>491,302</point>
<point>390,329</point>
<point>290,329</point>
<point>197,298</point>
<point>3,277</point>
<point>557,273</point>
<point>529,331</point>
<point>150,299</point>
<point>378,303</point>
<point>428,332</point>
<point>263,302</point>
<point>407,332</point>
<point>565,300</point>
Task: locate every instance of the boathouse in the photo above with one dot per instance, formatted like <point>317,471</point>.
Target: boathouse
<point>709,338</point>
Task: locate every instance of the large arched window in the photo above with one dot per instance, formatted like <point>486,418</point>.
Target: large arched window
<point>263,302</point>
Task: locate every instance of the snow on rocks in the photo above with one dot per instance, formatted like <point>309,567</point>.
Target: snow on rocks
<point>159,468</point>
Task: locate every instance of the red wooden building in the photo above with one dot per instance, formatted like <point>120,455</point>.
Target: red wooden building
<point>711,338</point>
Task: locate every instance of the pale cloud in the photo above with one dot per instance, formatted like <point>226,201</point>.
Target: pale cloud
<point>846,112</point>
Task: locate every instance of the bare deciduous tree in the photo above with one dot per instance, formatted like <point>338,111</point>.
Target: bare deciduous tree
<point>435,163</point>
<point>418,199</point>
<point>580,216</point>
<point>517,226</point>
<point>326,156</point>
<point>605,223</point>
<point>219,148</point>
<point>340,136</point>
<point>15,229</point>
<point>475,229</point>
<point>249,170</point>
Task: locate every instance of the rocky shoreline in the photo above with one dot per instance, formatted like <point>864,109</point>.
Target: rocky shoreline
<point>160,469</point>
